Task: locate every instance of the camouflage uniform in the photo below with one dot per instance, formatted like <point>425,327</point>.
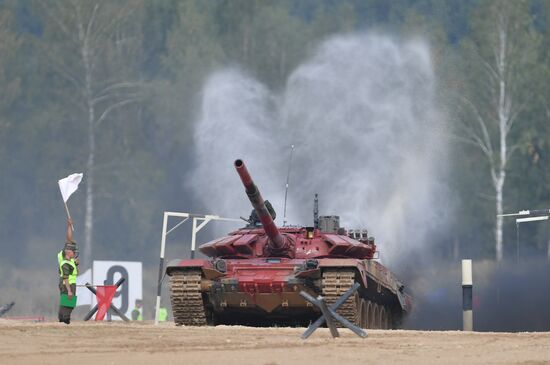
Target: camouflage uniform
<point>65,271</point>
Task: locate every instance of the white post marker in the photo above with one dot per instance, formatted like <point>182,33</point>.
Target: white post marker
<point>204,219</point>
<point>467,284</point>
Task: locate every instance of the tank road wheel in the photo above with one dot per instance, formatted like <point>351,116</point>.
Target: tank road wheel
<point>186,297</point>
<point>383,318</point>
<point>364,313</point>
<point>335,284</point>
<point>389,319</point>
<point>376,317</point>
<point>370,314</point>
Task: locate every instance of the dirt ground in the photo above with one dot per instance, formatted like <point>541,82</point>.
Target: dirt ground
<point>143,343</point>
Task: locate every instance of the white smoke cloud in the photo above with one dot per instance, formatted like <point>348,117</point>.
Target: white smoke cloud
<point>368,139</point>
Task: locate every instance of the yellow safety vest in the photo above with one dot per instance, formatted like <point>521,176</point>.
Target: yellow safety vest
<point>61,258</point>
<point>163,314</point>
<point>72,277</point>
<point>140,316</point>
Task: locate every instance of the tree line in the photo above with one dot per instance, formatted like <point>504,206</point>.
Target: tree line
<point>111,88</point>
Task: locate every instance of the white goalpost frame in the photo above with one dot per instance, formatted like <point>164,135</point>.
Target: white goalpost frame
<point>527,220</point>
<point>204,219</point>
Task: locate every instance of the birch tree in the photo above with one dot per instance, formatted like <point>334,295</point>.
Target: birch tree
<point>86,44</point>
<point>500,54</point>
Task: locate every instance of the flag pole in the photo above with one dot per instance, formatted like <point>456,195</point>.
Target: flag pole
<point>67,210</point>
<point>68,215</point>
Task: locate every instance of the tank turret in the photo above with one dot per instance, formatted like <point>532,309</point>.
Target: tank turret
<point>277,244</point>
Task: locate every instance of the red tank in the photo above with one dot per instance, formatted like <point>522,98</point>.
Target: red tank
<point>254,275</point>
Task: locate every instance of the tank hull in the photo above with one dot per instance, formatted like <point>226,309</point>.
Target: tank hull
<point>265,291</point>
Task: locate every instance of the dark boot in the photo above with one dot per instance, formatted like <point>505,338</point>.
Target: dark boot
<point>65,314</point>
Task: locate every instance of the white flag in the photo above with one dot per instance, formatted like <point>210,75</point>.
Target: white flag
<point>69,185</point>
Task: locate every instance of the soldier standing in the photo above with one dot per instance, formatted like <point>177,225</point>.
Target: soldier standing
<point>137,313</point>
<point>163,314</point>
<point>68,271</point>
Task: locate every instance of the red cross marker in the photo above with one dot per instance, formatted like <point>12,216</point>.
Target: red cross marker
<point>104,294</point>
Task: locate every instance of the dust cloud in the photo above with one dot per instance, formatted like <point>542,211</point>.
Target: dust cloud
<point>368,135</point>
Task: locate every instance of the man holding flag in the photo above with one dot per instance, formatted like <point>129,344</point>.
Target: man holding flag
<point>68,258</point>
<point>68,271</point>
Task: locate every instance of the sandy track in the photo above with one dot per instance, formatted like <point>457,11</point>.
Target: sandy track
<point>143,343</point>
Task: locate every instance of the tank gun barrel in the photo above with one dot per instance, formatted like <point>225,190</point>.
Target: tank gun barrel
<point>276,240</point>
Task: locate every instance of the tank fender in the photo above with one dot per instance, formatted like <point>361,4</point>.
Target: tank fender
<point>313,273</point>
<point>401,299</point>
<point>405,300</point>
<point>179,264</point>
<point>337,263</point>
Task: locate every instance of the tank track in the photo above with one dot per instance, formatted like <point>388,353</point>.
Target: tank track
<point>186,298</point>
<point>335,284</point>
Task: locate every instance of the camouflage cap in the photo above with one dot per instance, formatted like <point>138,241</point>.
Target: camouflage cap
<point>70,246</point>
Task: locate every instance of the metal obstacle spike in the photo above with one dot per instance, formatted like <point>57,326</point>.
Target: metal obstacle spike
<point>111,306</point>
<point>329,314</point>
